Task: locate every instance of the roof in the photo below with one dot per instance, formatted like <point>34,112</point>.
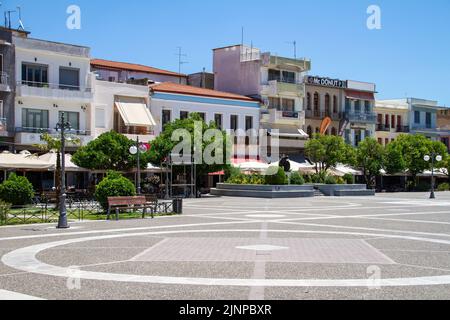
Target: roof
<point>132,67</point>
<point>170,87</point>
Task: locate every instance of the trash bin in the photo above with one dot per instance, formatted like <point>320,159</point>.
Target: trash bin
<point>177,206</point>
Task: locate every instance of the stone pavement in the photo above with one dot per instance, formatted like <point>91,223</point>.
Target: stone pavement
<point>392,246</point>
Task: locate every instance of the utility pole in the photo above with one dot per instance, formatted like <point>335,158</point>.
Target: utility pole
<point>180,55</point>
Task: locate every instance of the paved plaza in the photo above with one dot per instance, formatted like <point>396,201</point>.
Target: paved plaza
<point>392,246</point>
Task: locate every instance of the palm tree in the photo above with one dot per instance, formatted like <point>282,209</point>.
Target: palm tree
<point>53,143</point>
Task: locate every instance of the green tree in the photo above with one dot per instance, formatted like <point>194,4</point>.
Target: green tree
<point>328,151</point>
<point>16,190</point>
<point>110,151</point>
<point>164,145</point>
<point>369,159</point>
<point>113,185</point>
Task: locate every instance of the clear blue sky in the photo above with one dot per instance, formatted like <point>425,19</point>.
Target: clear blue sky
<point>410,55</point>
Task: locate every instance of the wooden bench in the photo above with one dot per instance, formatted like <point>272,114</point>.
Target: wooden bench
<point>129,203</point>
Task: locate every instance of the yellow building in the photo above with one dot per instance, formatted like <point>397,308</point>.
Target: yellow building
<point>392,120</point>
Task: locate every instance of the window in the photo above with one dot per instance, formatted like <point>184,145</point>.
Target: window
<point>34,119</point>
<point>417,117</point>
<point>274,103</point>
<point>202,115</point>
<point>218,120</point>
<point>288,77</point>
<point>73,118</point>
<point>112,79</point>
<point>100,118</point>
<point>335,105</point>
<point>316,103</point>
<point>34,75</point>
<point>289,105</point>
<point>184,115</point>
<point>348,105</point>
<point>327,104</point>
<point>308,101</point>
<point>367,106</point>
<point>399,121</point>
<point>166,117</point>
<point>274,75</point>
<point>234,122</point>
<point>334,131</point>
<point>428,120</point>
<point>69,78</point>
<point>380,119</point>
<point>309,131</point>
<point>386,121</point>
<point>248,123</point>
<point>357,106</point>
<point>393,125</point>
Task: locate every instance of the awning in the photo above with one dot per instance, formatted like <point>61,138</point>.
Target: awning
<point>23,161</point>
<point>287,131</point>
<point>359,95</point>
<point>134,112</point>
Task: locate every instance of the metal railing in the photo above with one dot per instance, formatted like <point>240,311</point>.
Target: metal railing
<point>383,127</point>
<point>316,114</point>
<point>404,129</point>
<point>51,131</point>
<point>284,80</point>
<point>361,117</point>
<point>58,86</point>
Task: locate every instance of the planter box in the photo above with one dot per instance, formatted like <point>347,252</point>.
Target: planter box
<point>263,191</point>
<point>345,190</point>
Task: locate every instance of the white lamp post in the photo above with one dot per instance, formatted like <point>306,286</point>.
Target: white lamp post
<point>434,157</point>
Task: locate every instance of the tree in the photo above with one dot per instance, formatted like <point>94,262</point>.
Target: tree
<point>369,159</point>
<point>327,151</point>
<point>163,145</point>
<point>407,153</point>
<point>17,191</point>
<point>110,151</point>
<point>53,143</point>
<point>113,185</point>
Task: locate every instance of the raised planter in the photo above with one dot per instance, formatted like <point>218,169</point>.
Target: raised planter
<point>263,191</point>
<point>344,190</point>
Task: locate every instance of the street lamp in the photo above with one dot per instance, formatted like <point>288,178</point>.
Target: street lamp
<point>137,150</point>
<point>434,157</point>
<point>62,127</point>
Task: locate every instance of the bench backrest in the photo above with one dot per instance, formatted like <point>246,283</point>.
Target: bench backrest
<point>126,201</point>
<point>151,198</point>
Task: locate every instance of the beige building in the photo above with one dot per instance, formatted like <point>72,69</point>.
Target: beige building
<point>392,120</point>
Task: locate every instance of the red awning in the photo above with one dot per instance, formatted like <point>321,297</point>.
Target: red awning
<point>359,95</point>
<point>218,173</point>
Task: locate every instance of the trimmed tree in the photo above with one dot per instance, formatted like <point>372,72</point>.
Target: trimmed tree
<point>16,190</point>
<point>113,185</point>
<point>369,159</point>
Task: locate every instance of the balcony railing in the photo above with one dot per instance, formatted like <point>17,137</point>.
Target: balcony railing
<point>361,117</point>
<point>51,131</point>
<point>135,130</point>
<point>383,127</point>
<point>59,86</point>
<point>316,114</point>
<point>404,129</point>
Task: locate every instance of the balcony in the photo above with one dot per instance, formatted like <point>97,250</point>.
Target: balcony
<point>4,82</point>
<point>403,129</point>
<point>383,127</point>
<point>3,127</point>
<point>361,117</point>
<point>320,115</point>
<point>32,136</point>
<point>286,117</point>
<point>279,86</point>
<point>53,91</point>
<point>144,134</point>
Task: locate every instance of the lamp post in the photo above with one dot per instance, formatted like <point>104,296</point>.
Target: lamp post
<point>136,150</point>
<point>62,126</point>
<point>434,157</point>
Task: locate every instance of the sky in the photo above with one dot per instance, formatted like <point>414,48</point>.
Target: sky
<point>408,57</point>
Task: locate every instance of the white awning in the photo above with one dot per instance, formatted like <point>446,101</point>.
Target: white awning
<point>134,112</point>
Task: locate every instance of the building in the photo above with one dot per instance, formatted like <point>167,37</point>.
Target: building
<point>202,80</point>
<point>392,120</point>
<point>443,123</point>
<point>131,73</point>
<point>276,81</point>
<point>349,104</point>
<point>51,78</point>
<point>230,112</point>
<point>7,86</point>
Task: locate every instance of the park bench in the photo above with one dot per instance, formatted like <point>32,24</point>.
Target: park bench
<point>118,204</point>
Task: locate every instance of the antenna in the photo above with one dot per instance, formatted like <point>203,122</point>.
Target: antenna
<point>9,18</point>
<point>294,43</point>
<point>242,38</point>
<point>21,27</point>
<point>180,55</point>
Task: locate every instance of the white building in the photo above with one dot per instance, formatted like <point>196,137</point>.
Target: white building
<point>51,78</point>
<point>170,101</point>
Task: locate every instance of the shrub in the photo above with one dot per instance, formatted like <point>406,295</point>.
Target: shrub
<point>444,187</point>
<point>349,179</point>
<point>340,180</point>
<point>330,180</point>
<point>114,185</point>
<point>253,179</point>
<point>297,179</point>
<point>277,179</point>
<point>4,210</point>
<point>319,177</point>
<point>17,191</point>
